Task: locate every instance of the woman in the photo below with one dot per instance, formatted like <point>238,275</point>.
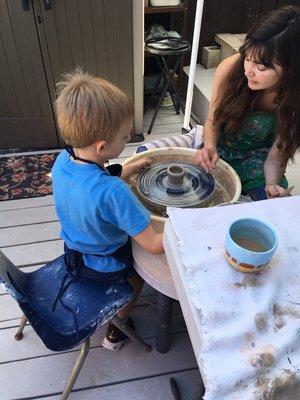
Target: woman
<point>254,118</point>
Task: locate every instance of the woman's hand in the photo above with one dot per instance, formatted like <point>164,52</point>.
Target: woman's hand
<point>273,191</point>
<point>135,167</point>
<point>207,158</point>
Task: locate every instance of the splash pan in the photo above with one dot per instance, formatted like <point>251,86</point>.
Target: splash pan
<point>226,181</point>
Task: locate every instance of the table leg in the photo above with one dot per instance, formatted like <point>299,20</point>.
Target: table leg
<point>201,389</point>
<point>163,329</point>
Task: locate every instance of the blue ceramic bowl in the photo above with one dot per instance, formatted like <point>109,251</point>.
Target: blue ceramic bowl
<point>250,244</point>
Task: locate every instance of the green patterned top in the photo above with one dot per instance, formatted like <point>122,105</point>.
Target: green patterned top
<point>247,151</point>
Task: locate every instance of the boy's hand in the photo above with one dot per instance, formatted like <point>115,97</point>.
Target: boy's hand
<point>135,167</point>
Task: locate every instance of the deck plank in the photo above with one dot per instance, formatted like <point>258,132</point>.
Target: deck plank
<point>102,367</point>
<point>27,216</point>
<point>29,234</point>
<point>149,138</point>
<point>164,118</point>
<point>25,203</point>
<point>31,346</point>
<point>164,129</point>
<point>35,253</point>
<point>153,388</point>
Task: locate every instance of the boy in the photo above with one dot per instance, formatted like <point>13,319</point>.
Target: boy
<point>97,211</point>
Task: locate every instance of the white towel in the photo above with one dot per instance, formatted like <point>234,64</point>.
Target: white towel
<point>250,323</point>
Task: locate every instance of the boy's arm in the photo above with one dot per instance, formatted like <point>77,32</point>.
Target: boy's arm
<point>135,167</point>
<point>150,240</point>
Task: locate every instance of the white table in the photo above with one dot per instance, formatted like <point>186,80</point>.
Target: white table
<point>281,279</point>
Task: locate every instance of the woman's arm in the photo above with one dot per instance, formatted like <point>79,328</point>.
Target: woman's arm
<point>207,157</point>
<point>274,170</point>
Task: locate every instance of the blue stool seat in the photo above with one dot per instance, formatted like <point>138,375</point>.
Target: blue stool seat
<point>65,309</point>
<point>90,303</point>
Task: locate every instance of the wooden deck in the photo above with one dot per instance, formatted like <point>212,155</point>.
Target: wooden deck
<point>29,236</point>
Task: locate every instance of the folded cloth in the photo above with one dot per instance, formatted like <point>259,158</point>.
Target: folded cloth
<point>249,324</point>
<point>193,140</point>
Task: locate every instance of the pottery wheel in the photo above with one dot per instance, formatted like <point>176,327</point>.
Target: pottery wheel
<point>175,185</point>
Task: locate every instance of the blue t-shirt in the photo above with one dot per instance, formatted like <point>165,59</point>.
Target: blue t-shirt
<point>97,211</point>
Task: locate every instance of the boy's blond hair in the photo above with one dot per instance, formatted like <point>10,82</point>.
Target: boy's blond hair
<point>89,109</point>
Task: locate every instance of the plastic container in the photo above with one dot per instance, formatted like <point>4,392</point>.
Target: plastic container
<point>164,3</point>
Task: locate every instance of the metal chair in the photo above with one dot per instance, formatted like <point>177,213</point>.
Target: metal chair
<point>83,307</point>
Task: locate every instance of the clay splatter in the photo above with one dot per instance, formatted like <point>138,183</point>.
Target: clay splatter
<point>279,313</point>
<point>264,361</point>
<point>285,385</point>
<point>261,322</point>
<point>249,281</point>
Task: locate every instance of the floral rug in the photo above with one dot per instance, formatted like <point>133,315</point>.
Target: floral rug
<point>26,176</point>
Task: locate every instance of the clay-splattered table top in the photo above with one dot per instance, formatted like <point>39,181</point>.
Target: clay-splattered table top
<point>244,327</point>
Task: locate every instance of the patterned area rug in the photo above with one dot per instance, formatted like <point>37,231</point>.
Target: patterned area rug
<point>26,176</point>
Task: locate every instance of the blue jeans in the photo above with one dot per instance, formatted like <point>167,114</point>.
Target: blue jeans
<point>258,193</point>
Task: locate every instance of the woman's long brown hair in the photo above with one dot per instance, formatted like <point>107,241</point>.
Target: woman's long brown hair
<point>274,40</point>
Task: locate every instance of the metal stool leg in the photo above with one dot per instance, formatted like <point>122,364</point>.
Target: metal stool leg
<point>19,334</point>
<point>154,91</point>
<point>130,333</point>
<point>163,65</point>
<point>163,331</point>
<point>175,103</point>
<point>170,76</point>
<point>161,93</point>
<point>157,108</point>
<point>76,369</point>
